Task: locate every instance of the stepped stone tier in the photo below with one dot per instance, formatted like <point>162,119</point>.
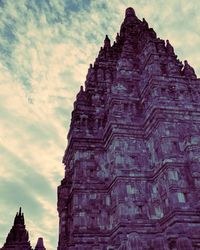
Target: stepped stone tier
<point>132,165</point>
<point>18,238</point>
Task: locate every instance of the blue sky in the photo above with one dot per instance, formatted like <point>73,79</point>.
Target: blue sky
<point>46,47</point>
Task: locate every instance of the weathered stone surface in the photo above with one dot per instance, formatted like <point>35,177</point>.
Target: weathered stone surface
<point>132,166</point>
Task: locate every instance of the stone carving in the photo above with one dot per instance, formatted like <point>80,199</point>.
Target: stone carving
<point>161,46</point>
<point>108,76</point>
<point>188,71</point>
<point>170,49</point>
<point>183,243</point>
<point>160,243</point>
<point>135,242</point>
<point>173,67</point>
<point>100,75</point>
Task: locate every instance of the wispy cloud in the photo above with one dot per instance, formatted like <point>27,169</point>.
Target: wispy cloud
<point>45,49</point>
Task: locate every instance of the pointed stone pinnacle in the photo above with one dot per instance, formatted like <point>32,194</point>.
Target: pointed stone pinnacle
<point>18,235</point>
<point>117,37</point>
<point>107,42</point>
<point>129,12</point>
<point>40,244</point>
<point>20,211</point>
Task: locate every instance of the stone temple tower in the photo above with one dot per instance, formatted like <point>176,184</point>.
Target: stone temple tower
<point>132,164</point>
<point>18,238</point>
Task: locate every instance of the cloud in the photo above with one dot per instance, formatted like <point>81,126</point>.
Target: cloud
<point>45,50</point>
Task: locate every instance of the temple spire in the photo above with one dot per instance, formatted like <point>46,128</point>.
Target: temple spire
<point>40,244</point>
<point>136,95</point>
<point>130,25</point>
<point>18,235</point>
<point>129,12</point>
<point>188,70</point>
<point>107,42</point>
<point>20,211</point>
<point>170,49</point>
<point>19,218</point>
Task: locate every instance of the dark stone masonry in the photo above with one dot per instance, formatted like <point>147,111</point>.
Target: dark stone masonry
<point>132,165</point>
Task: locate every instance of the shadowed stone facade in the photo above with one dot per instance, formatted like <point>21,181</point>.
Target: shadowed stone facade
<point>132,165</point>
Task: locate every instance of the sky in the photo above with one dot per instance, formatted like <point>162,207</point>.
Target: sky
<point>46,47</point>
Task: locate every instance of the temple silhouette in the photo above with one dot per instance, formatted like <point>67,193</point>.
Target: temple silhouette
<point>132,172</point>
<point>18,238</point>
<point>132,165</point>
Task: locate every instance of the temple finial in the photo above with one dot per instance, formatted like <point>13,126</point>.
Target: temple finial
<point>188,70</point>
<point>107,42</point>
<point>145,24</point>
<point>40,244</point>
<point>170,49</point>
<point>129,12</point>
<point>20,211</point>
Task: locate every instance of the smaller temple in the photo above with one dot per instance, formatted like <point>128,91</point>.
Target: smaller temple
<point>40,244</point>
<point>18,237</point>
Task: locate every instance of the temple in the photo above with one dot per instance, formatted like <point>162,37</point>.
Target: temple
<point>132,166</point>
<point>40,244</point>
<point>18,238</point>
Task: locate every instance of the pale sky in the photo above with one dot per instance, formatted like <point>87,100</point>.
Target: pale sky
<point>46,47</point>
